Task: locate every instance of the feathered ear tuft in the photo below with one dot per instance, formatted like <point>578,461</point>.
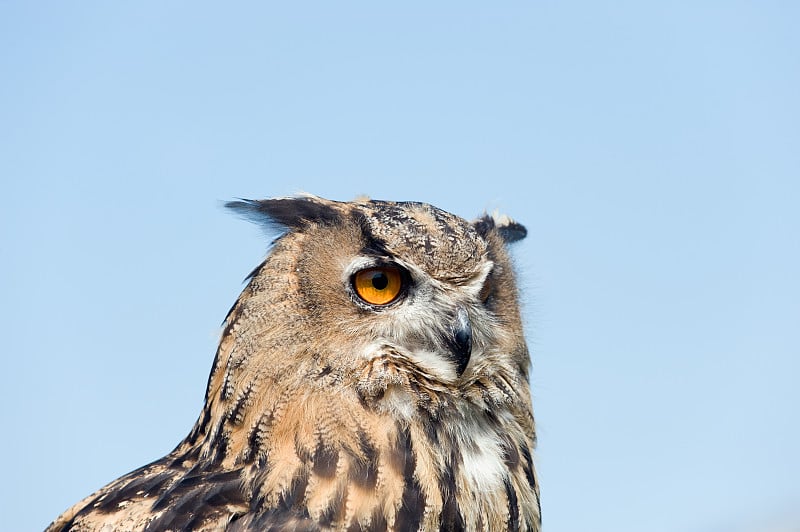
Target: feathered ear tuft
<point>509,230</point>
<point>291,213</point>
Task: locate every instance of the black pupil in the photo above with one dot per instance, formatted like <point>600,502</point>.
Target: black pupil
<point>380,281</point>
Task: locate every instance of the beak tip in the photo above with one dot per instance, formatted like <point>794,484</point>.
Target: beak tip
<point>462,340</point>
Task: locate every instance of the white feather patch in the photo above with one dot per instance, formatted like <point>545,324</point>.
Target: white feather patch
<point>434,364</point>
<point>484,467</point>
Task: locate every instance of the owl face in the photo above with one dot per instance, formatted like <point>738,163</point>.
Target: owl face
<point>376,277</point>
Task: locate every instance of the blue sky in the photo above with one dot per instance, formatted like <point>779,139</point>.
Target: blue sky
<point>651,149</point>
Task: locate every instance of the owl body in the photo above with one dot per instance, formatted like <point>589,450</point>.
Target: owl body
<point>371,376</point>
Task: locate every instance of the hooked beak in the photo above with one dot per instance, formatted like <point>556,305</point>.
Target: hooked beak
<point>460,340</point>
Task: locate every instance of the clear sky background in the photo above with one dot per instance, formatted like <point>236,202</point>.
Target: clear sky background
<point>651,148</point>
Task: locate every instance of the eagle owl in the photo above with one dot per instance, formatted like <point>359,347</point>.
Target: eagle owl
<point>372,375</point>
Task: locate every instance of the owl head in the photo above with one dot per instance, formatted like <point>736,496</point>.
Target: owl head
<point>347,282</point>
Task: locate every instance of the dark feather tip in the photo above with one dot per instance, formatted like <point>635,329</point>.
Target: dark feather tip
<point>512,232</point>
<point>293,213</point>
<point>509,230</point>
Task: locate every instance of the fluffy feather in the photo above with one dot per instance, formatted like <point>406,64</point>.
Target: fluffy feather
<point>323,412</point>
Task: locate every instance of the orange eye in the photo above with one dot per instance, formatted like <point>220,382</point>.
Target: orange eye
<point>378,286</point>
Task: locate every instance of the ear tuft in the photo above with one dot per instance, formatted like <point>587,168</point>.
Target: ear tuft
<point>292,213</point>
<point>509,230</point>
<point>512,232</point>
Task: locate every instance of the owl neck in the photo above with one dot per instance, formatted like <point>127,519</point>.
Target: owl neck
<point>346,451</point>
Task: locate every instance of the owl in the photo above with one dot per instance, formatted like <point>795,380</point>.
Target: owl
<point>373,375</point>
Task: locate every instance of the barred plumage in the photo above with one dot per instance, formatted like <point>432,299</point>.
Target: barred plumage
<point>326,411</point>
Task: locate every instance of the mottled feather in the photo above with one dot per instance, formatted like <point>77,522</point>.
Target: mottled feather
<point>324,412</point>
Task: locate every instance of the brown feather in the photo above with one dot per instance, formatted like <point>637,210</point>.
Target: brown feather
<point>324,414</point>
